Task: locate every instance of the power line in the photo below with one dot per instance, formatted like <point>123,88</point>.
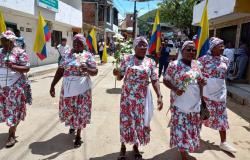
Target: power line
<point>118,3</point>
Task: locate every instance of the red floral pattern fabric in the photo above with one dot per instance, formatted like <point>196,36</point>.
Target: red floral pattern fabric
<point>136,80</point>
<point>75,111</point>
<point>185,127</point>
<point>215,67</point>
<point>13,99</point>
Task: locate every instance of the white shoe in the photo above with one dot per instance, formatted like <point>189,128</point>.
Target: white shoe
<point>227,147</point>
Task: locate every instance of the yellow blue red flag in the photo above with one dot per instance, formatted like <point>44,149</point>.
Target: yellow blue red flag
<point>155,40</point>
<point>91,41</point>
<point>203,34</point>
<point>42,36</point>
<point>2,23</point>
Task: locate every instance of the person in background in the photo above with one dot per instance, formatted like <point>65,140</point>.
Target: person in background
<point>229,53</point>
<point>100,49</point>
<point>178,50</point>
<point>214,69</point>
<point>242,60</point>
<point>163,60</point>
<point>20,40</point>
<point>62,48</point>
<point>112,47</point>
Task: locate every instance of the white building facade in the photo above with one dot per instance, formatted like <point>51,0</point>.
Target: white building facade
<point>64,17</point>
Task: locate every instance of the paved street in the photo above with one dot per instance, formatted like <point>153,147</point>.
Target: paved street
<point>42,136</point>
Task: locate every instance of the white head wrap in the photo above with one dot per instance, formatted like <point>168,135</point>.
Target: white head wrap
<point>214,41</point>
<point>82,39</point>
<point>186,43</point>
<point>138,40</point>
<point>8,35</point>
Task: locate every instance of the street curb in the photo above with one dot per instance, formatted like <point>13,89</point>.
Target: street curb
<point>236,94</point>
<point>39,73</point>
<point>41,70</point>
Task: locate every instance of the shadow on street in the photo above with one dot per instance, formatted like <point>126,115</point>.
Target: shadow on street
<point>167,155</point>
<point>56,146</point>
<point>114,156</point>
<point>3,139</point>
<point>114,91</point>
<point>206,145</point>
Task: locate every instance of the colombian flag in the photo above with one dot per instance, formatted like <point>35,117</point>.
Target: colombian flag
<point>2,23</point>
<point>42,36</point>
<point>91,41</point>
<point>203,34</point>
<point>155,40</point>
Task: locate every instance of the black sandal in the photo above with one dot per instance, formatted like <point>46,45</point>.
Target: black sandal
<point>137,153</point>
<point>122,153</point>
<point>71,131</point>
<point>78,142</point>
<point>11,142</point>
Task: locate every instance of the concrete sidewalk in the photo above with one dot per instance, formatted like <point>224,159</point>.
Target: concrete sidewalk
<point>239,92</point>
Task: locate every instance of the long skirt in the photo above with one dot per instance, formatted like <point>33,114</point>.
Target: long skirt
<point>75,111</point>
<point>13,101</point>
<point>132,129</point>
<point>185,130</point>
<point>218,115</point>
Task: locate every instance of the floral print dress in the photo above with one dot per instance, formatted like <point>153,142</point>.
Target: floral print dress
<point>75,111</point>
<point>13,98</point>
<point>136,80</point>
<point>215,67</point>
<point>185,127</point>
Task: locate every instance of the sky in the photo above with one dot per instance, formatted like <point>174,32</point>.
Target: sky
<point>128,6</point>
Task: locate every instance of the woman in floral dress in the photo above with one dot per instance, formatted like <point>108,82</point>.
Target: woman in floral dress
<point>215,70</point>
<point>136,98</point>
<point>75,99</point>
<point>185,80</point>
<point>14,86</point>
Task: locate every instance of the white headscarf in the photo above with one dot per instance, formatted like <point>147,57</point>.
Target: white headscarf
<point>138,40</point>
<point>8,35</point>
<point>186,43</point>
<point>214,41</point>
<point>82,39</point>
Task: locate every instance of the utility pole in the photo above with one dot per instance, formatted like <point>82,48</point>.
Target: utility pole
<point>135,15</point>
<point>105,20</point>
<point>134,21</point>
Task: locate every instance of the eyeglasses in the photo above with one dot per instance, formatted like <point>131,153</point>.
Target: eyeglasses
<point>190,49</point>
<point>142,46</point>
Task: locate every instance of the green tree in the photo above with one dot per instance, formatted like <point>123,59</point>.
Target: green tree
<point>144,22</point>
<point>179,13</point>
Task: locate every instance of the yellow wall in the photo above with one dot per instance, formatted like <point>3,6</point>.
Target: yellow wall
<point>242,6</point>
